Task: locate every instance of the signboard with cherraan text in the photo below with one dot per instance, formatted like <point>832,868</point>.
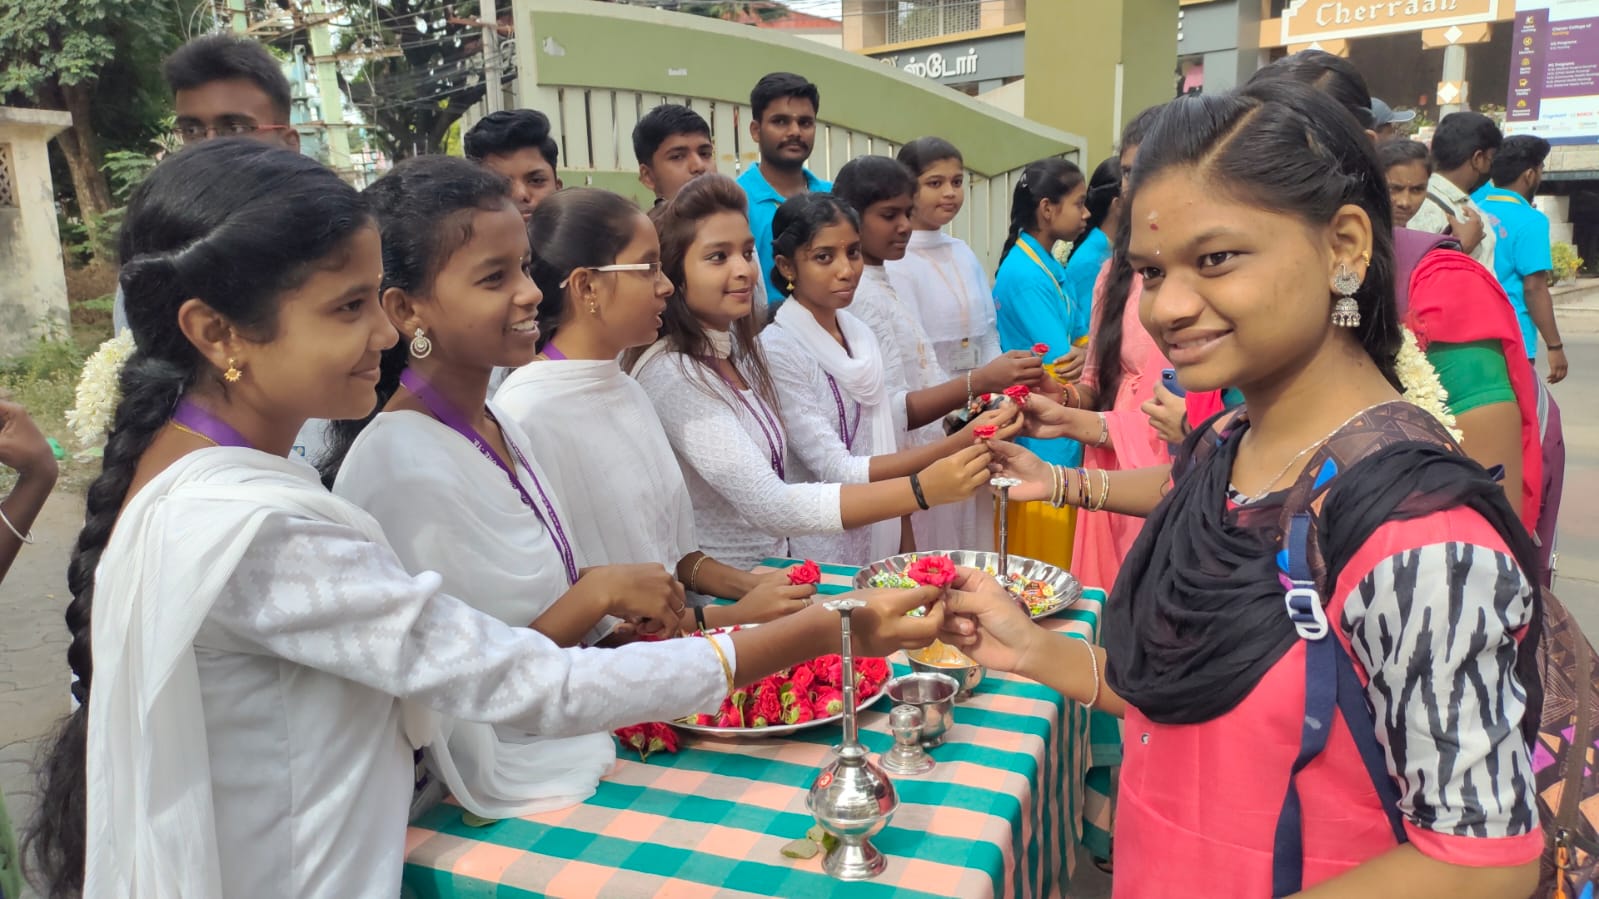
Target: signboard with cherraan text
<point>1305,21</point>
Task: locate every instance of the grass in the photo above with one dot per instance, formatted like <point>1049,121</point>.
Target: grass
<point>44,380</point>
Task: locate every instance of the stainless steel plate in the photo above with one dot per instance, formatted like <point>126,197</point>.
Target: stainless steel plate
<point>1067,588</point>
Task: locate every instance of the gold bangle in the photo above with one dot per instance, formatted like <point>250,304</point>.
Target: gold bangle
<point>1093,666</point>
<point>727,670</point>
<point>1104,431</point>
<point>694,574</point>
<point>1104,489</point>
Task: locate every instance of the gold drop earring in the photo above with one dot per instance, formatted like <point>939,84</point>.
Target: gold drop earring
<point>233,374</point>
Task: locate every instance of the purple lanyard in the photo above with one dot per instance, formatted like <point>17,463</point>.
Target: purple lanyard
<point>207,425</point>
<point>452,418</point>
<point>764,418</point>
<point>553,354</point>
<point>844,431</point>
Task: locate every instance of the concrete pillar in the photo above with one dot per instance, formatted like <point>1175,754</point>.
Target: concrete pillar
<point>33,293</point>
<point>1092,65</point>
<point>1454,73</point>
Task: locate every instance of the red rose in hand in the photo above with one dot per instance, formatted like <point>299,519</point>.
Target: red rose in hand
<point>1040,349</point>
<point>985,432</point>
<point>986,398</point>
<point>1018,393</point>
<point>829,702</point>
<point>932,571</point>
<point>809,573</point>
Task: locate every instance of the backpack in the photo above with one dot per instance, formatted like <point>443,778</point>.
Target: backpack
<point>1565,662</point>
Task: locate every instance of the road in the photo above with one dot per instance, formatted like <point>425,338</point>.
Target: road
<point>33,639</point>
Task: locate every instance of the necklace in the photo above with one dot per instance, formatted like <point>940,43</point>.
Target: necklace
<point>1301,454</point>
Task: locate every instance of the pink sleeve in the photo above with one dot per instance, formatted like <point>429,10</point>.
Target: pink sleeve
<point>1090,377</point>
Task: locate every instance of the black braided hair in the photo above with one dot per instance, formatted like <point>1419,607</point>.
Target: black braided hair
<point>234,223</point>
<point>1047,179</point>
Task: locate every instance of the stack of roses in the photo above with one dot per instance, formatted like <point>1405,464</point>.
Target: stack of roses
<point>648,738</point>
<point>806,692</point>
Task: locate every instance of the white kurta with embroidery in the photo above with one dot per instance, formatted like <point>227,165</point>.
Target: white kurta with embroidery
<point>455,512</point>
<point>911,364</point>
<point>834,432</point>
<point>251,633</point>
<point>593,429</point>
<point>744,511</point>
<point>943,280</point>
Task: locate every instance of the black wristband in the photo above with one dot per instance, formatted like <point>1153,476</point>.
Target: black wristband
<point>699,618</point>
<point>916,488</point>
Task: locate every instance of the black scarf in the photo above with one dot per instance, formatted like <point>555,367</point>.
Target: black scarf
<point>1197,616</point>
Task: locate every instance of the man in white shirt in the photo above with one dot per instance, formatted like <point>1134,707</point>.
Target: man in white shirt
<point>1462,158</point>
<point>226,86</point>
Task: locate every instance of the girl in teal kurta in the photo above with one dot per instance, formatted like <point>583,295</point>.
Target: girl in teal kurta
<point>1032,302</point>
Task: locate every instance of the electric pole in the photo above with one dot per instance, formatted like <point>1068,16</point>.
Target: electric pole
<point>493,95</point>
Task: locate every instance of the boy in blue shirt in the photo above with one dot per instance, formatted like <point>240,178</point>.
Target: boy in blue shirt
<point>783,109</point>
<point>1522,259</point>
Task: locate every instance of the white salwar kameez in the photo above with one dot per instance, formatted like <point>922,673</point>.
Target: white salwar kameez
<point>841,409</point>
<point>444,507</point>
<point>744,511</point>
<point>593,429</point>
<point>910,363</point>
<point>251,633</point>
<point>943,280</point>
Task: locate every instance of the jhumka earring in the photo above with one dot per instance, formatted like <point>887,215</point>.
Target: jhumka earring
<point>1346,312</point>
<point>420,345</point>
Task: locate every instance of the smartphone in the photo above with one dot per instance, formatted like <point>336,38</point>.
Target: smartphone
<point>1168,378</point>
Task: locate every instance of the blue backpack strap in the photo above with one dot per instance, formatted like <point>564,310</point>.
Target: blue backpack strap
<point>1331,686</point>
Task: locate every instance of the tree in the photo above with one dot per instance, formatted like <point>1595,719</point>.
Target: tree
<point>432,73</point>
<point>51,54</point>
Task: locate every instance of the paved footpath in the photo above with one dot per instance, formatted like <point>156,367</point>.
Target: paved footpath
<point>33,637</point>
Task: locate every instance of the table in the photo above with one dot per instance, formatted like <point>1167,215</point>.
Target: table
<point>1000,815</point>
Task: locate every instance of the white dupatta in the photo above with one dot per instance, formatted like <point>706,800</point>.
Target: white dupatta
<point>860,378</point>
<point>151,819</point>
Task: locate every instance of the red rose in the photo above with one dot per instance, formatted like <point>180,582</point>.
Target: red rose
<point>704,720</point>
<point>829,671</point>
<point>985,432</point>
<point>828,702</point>
<point>875,669</point>
<point>803,679</point>
<point>808,573</point>
<point>768,708</point>
<point>662,737</point>
<point>637,738</point>
<point>1040,348</point>
<point>986,398</point>
<point>932,571</point>
<point>799,713</point>
<point>1018,393</point>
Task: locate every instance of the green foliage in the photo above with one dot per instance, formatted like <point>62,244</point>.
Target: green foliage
<point>1567,262</point>
<point>124,169</point>
<point>65,41</point>
<point>45,380</point>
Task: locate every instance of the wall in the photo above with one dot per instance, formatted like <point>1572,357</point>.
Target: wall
<point>33,291</point>
<point>1093,64</point>
<point>1226,35</point>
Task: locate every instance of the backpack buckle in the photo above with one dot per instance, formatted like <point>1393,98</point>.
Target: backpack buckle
<point>1305,611</point>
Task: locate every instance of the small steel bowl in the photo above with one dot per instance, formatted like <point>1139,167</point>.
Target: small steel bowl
<point>968,675</point>
<point>933,693</point>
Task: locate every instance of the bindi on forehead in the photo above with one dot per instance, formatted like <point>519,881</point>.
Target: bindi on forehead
<point>1153,220</point>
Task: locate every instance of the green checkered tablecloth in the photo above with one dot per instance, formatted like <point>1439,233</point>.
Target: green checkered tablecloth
<point>1000,815</point>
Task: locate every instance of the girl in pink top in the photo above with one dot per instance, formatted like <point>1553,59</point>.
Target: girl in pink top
<point>1337,704</point>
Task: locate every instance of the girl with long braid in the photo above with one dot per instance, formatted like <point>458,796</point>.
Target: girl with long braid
<point>254,664</point>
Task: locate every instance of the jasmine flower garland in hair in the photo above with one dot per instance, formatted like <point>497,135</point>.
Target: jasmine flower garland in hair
<point>1421,383</point>
<point>98,391</point>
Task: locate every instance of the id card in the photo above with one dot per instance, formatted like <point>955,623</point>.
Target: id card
<point>965,357</point>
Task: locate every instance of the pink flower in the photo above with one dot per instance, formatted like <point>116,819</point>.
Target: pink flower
<point>932,571</point>
<point>985,432</point>
<point>1040,348</point>
<point>829,701</point>
<point>808,573</point>
<point>1018,393</point>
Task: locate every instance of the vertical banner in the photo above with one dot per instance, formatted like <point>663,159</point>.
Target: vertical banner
<point>1554,71</point>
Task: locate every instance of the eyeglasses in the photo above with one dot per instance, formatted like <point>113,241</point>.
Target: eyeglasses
<point>192,132</point>
<point>654,268</point>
